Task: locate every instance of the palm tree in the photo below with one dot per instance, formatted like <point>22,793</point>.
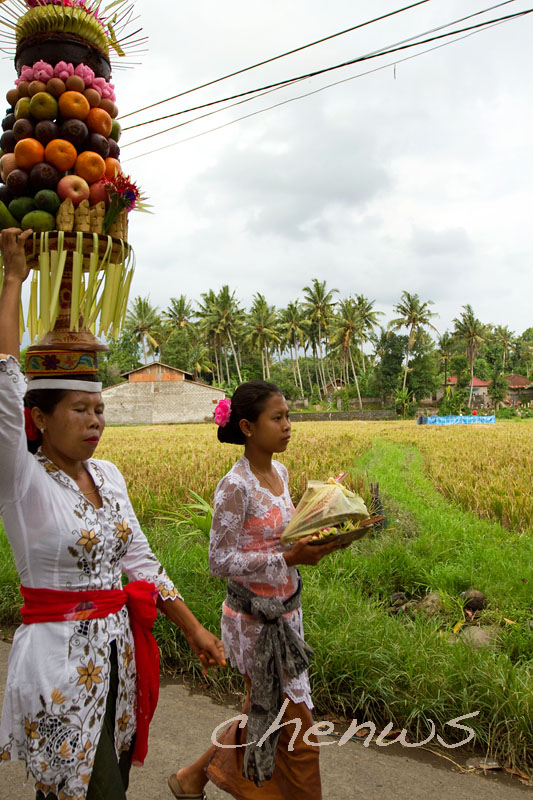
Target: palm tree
<point>143,323</point>
<point>369,320</point>
<point>347,333</point>
<point>471,333</point>
<point>445,350</point>
<point>179,312</point>
<point>293,325</point>
<point>228,318</point>
<point>506,339</point>
<point>260,323</point>
<point>208,327</point>
<point>319,303</point>
<point>415,316</point>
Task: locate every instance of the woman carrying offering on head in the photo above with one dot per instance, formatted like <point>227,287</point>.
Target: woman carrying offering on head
<point>83,673</point>
<point>261,616</point>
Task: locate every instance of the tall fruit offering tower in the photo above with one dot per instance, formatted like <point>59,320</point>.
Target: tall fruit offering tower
<point>60,171</point>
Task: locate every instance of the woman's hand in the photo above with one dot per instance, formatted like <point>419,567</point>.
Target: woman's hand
<point>12,248</point>
<point>207,647</point>
<point>302,552</point>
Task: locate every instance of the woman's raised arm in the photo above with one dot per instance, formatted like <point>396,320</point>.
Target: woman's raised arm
<point>16,271</point>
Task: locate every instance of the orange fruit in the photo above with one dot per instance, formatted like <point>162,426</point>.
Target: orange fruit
<point>61,154</point>
<point>112,167</point>
<point>99,121</point>
<point>73,105</point>
<point>28,153</point>
<point>90,166</point>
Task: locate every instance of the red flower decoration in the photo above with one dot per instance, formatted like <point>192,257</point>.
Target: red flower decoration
<point>32,433</point>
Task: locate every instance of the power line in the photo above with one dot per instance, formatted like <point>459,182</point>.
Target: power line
<point>275,88</point>
<point>307,94</point>
<point>359,59</point>
<point>282,55</point>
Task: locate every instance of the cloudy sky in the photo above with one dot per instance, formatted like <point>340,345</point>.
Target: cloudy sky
<point>415,177</point>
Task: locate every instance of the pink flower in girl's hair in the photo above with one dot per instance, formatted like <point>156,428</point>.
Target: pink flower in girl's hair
<point>223,412</point>
<point>86,73</point>
<point>42,71</point>
<point>63,70</point>
<point>99,84</point>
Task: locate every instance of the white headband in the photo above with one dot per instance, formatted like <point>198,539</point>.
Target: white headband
<point>58,383</point>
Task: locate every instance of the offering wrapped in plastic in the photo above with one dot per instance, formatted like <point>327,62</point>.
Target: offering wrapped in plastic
<point>328,508</point>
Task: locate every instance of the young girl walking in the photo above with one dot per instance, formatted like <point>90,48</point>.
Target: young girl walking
<point>261,615</point>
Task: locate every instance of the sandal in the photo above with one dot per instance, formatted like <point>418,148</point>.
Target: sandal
<point>177,791</point>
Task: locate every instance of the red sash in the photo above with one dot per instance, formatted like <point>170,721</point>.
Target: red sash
<point>52,605</point>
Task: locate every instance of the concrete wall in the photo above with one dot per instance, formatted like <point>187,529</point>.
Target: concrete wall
<point>160,403</point>
<point>320,416</point>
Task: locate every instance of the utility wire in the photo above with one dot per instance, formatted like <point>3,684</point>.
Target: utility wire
<point>307,94</point>
<point>357,60</point>
<point>276,88</point>
<point>282,55</point>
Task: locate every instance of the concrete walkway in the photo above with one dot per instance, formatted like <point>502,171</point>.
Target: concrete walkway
<point>183,724</point>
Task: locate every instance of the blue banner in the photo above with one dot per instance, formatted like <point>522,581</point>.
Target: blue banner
<point>458,420</point>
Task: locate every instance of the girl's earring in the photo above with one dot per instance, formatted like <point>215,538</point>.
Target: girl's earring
<point>248,434</point>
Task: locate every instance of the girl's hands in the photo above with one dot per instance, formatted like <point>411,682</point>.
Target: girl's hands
<point>207,647</point>
<point>12,248</point>
<point>302,552</point>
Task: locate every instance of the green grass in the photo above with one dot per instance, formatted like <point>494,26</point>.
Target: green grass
<point>368,663</point>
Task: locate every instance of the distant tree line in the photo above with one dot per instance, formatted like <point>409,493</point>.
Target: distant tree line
<point>320,345</point>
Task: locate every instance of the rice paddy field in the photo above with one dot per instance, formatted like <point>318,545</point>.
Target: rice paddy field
<point>459,516</point>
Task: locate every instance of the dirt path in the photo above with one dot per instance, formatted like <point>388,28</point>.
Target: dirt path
<point>183,724</point>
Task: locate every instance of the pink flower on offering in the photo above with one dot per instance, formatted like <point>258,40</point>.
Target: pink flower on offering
<point>42,71</point>
<point>26,74</point>
<point>63,70</point>
<point>223,412</point>
<point>85,72</point>
<point>107,91</point>
<point>99,84</point>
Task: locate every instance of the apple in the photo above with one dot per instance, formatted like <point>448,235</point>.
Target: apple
<point>98,193</point>
<point>8,141</point>
<point>12,96</point>
<point>56,87</point>
<point>75,83</point>
<point>74,187</point>
<point>93,97</point>
<point>114,149</point>
<point>45,131</point>
<point>22,109</point>
<point>22,129</point>
<point>98,144</point>
<point>115,131</point>
<point>43,105</point>
<point>44,176</point>
<point>74,131</point>
<point>8,163</point>
<point>23,89</point>
<point>18,181</point>
<point>35,87</point>
<point>8,122</point>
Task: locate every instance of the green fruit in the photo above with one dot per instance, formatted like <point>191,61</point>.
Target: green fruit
<point>47,200</point>
<point>7,220</point>
<point>39,221</point>
<point>22,109</point>
<point>116,131</point>
<point>43,105</point>
<point>21,206</point>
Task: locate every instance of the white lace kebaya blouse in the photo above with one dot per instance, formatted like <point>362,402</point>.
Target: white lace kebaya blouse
<point>245,545</point>
<point>58,673</point>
